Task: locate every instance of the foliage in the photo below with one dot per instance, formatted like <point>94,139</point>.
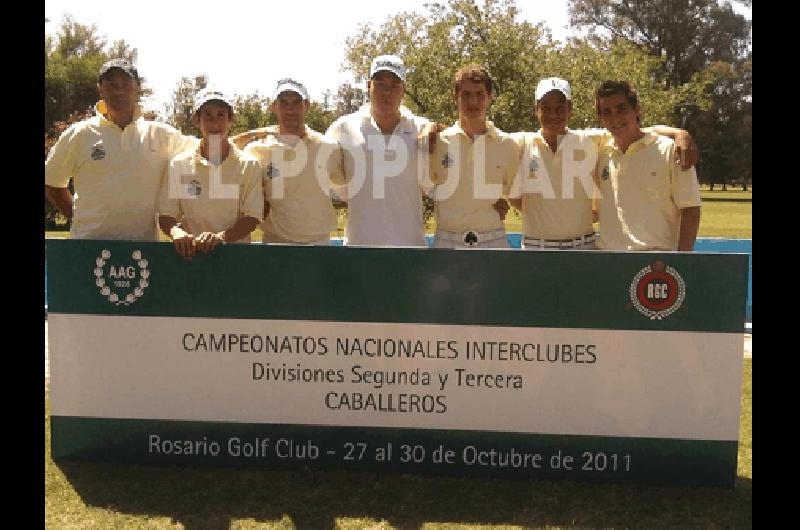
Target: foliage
<point>180,109</point>
<point>689,34</point>
<point>725,131</point>
<point>318,118</point>
<point>696,41</point>
<point>250,112</point>
<point>348,99</point>
<point>434,45</point>
<point>517,53</point>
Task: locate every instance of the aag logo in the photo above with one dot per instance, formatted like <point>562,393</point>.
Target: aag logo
<point>124,281</point>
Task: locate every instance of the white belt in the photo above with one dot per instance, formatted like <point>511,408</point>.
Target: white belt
<point>471,238</point>
<point>571,242</point>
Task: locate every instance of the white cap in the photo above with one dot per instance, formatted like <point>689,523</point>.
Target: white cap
<point>210,94</point>
<point>390,63</point>
<point>553,83</point>
<point>290,84</point>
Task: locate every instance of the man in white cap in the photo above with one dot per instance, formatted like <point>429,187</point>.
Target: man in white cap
<point>382,162</point>
<point>554,187</point>
<point>214,190</point>
<point>116,160</point>
<point>300,166</point>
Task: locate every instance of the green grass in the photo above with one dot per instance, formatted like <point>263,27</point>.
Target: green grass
<point>727,219</point>
<point>97,495</point>
<point>718,219</point>
<point>730,193</point>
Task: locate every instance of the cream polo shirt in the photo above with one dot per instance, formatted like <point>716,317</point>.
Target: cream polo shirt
<point>116,174</point>
<point>470,176</point>
<point>297,183</point>
<point>642,193</point>
<point>552,207</point>
<point>211,198</point>
<point>384,195</point>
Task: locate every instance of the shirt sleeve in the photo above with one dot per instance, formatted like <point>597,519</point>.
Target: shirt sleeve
<point>520,173</point>
<point>168,203</point>
<point>251,202</point>
<point>684,184</point>
<point>335,131</point>
<point>336,166</point>
<point>179,142</point>
<point>62,160</point>
<point>437,172</point>
<point>510,176</point>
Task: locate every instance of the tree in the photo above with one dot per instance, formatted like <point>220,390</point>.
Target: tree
<point>179,110</point>
<point>725,131</point>
<point>587,65</point>
<point>517,53</point>
<point>250,112</point>
<point>348,99</point>
<point>698,41</point>
<point>688,34</point>
<point>436,44</point>
<point>319,118</point>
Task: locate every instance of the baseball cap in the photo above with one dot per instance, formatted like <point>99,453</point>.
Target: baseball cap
<point>553,83</point>
<point>210,94</point>
<point>290,84</point>
<point>390,63</point>
<point>123,64</point>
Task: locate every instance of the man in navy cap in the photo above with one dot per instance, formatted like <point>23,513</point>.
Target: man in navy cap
<point>116,160</point>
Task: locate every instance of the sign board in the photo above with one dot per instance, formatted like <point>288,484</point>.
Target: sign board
<point>584,365</point>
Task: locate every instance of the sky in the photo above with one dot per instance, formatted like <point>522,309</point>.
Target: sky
<point>247,49</point>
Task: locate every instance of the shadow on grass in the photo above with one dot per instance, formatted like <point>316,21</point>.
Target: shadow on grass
<point>210,498</point>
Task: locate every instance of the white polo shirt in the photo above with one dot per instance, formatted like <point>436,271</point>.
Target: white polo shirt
<point>297,183</point>
<point>470,176</point>
<point>117,174</point>
<point>384,195</point>
<point>556,205</point>
<point>210,198</point>
<point>642,193</point>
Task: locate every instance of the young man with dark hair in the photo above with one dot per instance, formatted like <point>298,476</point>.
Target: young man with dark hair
<point>472,167</point>
<point>647,202</point>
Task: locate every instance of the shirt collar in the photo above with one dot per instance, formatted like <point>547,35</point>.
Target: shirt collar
<point>405,125</point>
<point>233,155</point>
<point>491,130</point>
<point>100,109</point>
<point>641,143</point>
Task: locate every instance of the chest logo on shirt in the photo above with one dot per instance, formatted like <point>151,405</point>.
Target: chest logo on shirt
<point>194,188</point>
<point>657,291</point>
<point>272,170</point>
<point>98,151</point>
<point>447,160</point>
<point>122,281</point>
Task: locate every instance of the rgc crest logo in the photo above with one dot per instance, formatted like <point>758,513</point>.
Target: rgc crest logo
<point>121,281</point>
<point>657,291</point>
